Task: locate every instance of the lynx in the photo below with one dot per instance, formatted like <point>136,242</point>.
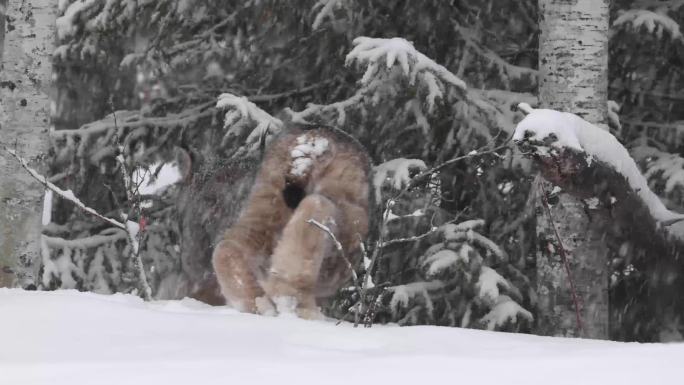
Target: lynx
<point>270,252</point>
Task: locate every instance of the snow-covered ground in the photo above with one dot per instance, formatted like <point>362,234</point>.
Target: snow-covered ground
<point>66,337</point>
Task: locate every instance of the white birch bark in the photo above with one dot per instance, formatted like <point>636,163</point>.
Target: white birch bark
<point>573,66</point>
<point>25,81</point>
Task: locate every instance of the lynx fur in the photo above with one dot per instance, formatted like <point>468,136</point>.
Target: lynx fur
<point>271,255</point>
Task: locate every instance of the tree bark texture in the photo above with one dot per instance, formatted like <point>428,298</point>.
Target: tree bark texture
<point>25,81</point>
<point>573,65</point>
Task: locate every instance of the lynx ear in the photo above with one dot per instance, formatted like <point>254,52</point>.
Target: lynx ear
<point>184,161</point>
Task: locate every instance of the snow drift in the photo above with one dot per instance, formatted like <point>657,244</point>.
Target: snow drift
<point>67,337</point>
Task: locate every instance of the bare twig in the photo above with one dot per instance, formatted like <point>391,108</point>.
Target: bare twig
<point>131,192</point>
<point>486,150</point>
<point>339,248</point>
<point>281,95</point>
<point>414,238</point>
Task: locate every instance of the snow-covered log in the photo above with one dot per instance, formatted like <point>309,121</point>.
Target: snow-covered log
<point>589,163</point>
<point>573,153</point>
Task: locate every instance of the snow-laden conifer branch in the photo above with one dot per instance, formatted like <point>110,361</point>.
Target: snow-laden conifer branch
<point>107,236</point>
<point>241,114</point>
<point>465,232</point>
<point>325,10</point>
<point>489,282</point>
<point>66,194</point>
<point>458,263</point>
<point>657,23</point>
<point>66,24</point>
<point>132,119</point>
<point>660,165</point>
<point>505,310</point>
<point>662,5</point>
<point>99,14</point>
<point>386,61</point>
<point>373,52</point>
<point>402,294</point>
<point>438,262</point>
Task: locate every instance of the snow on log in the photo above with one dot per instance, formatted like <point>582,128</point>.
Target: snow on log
<point>567,145</point>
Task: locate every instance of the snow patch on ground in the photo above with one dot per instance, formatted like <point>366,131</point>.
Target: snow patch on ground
<point>571,131</point>
<point>67,337</point>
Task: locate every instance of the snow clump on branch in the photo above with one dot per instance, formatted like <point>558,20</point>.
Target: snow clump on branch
<point>397,172</point>
<point>505,310</point>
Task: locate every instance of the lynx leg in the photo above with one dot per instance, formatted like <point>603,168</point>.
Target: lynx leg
<point>236,276</point>
<point>298,256</point>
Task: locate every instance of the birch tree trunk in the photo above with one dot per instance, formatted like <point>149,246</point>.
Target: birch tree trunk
<point>573,64</point>
<point>24,117</point>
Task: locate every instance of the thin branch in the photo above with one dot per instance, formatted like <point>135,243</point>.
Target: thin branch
<point>337,243</point>
<point>66,194</point>
<point>281,95</point>
<point>421,177</point>
<point>134,120</point>
<point>131,192</point>
<point>414,238</point>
